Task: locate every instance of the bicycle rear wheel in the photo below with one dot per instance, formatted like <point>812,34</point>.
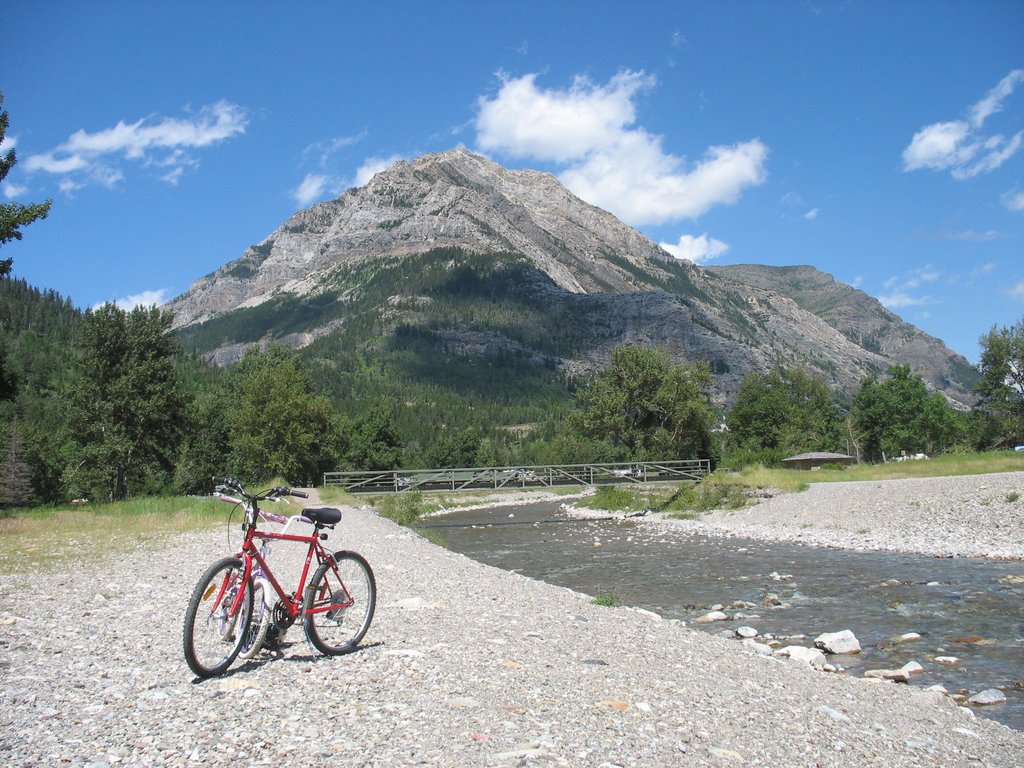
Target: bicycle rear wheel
<point>338,604</point>
<point>212,635</point>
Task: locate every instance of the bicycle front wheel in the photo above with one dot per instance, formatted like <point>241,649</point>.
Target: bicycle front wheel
<point>262,618</point>
<point>213,633</point>
<point>338,604</point>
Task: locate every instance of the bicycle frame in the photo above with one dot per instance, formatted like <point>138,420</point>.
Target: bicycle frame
<point>250,554</point>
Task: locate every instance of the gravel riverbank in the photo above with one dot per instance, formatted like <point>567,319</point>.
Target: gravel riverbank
<point>963,516</point>
<point>464,665</point>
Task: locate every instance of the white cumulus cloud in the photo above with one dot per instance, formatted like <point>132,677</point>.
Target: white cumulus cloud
<point>164,142</point>
<point>1017,292</point>
<point>12,191</point>
<point>324,152</point>
<point>899,298</point>
<point>959,146</point>
<point>993,101</point>
<point>589,130</point>
<point>559,126</point>
<point>696,249</point>
<point>144,299</point>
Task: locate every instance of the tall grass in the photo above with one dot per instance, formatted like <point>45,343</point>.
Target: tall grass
<point>332,494</point>
<point>404,508</point>
<point>38,538</point>
<point>680,499</point>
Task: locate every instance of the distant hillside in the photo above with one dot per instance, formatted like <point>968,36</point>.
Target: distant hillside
<point>451,265</point>
<point>864,321</point>
<point>36,331</point>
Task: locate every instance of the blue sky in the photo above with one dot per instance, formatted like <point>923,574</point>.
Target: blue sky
<point>882,142</point>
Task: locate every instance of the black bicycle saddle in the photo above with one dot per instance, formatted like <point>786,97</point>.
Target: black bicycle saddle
<point>322,515</point>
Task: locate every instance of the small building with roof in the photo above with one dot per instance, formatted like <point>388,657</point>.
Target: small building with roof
<point>816,459</point>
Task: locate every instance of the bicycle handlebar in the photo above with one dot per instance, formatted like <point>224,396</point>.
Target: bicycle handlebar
<point>232,484</point>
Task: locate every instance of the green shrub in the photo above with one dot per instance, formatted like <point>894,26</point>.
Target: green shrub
<point>703,497</point>
<point>744,457</point>
<point>403,508</point>
<point>1012,496</point>
<point>612,497</point>
<point>610,599</point>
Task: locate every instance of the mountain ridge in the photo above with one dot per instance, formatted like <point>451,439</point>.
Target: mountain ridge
<point>602,282</point>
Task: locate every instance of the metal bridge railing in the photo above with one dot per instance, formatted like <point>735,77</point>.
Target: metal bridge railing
<point>543,476</point>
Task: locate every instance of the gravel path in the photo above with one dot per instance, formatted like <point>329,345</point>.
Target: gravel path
<point>464,665</point>
<point>964,516</point>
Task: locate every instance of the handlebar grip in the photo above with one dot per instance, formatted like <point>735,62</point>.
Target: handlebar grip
<point>300,494</point>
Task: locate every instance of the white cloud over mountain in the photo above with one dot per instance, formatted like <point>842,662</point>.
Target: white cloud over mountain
<point>696,249</point>
<point>590,131</point>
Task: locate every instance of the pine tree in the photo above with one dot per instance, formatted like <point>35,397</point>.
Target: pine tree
<point>15,476</point>
<point>124,409</point>
<point>13,216</point>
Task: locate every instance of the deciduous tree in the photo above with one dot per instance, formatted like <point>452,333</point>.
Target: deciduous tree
<point>371,442</point>
<point>1002,381</point>
<point>455,449</point>
<point>898,415</point>
<point>648,406</point>
<point>784,412</point>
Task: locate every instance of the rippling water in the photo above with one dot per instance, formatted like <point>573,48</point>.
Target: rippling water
<point>968,608</point>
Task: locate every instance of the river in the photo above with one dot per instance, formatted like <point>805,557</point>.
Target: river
<point>966,608</point>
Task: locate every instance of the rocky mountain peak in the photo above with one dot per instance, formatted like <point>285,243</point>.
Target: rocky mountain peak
<point>589,269</point>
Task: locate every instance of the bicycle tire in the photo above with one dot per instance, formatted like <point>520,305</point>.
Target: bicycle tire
<point>345,580</point>
<point>211,637</point>
<point>259,623</point>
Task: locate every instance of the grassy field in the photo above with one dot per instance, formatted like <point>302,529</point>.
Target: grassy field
<point>940,466</point>
<point>30,539</point>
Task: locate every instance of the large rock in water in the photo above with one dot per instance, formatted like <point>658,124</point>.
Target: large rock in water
<point>838,642</point>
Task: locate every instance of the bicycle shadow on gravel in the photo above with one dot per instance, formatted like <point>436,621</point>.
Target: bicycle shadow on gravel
<point>269,656</point>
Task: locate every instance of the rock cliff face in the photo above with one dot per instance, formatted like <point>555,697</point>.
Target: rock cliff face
<point>577,266</point>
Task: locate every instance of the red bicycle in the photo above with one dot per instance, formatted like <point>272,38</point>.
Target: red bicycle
<point>336,605</point>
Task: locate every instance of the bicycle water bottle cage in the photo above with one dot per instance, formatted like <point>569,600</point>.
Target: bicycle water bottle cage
<point>322,515</point>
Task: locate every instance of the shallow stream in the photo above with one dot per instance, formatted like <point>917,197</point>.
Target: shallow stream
<point>971,609</point>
